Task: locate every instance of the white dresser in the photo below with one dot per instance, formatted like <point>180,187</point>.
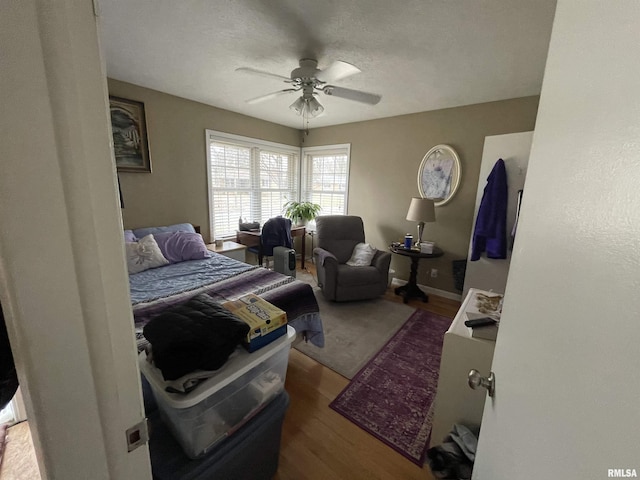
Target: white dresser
<point>455,401</point>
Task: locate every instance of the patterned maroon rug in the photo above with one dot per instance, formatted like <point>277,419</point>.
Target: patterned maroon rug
<point>392,396</point>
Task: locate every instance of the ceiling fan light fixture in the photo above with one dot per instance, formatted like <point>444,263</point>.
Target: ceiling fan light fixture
<point>314,107</point>
<point>298,106</point>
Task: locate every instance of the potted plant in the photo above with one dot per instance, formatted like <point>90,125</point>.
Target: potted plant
<point>301,212</point>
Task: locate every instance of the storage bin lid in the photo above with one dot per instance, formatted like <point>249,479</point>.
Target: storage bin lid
<point>237,365</point>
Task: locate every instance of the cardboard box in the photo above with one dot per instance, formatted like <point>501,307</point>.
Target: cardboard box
<point>488,332</point>
<point>267,321</point>
<point>427,247</point>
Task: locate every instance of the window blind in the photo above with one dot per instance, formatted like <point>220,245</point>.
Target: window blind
<point>248,179</point>
<point>326,178</point>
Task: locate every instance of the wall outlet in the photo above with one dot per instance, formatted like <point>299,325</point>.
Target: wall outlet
<point>434,273</point>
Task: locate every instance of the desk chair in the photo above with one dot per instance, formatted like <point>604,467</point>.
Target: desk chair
<point>276,232</point>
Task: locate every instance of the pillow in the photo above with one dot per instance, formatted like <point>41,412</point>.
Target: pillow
<point>180,246</point>
<point>362,255</point>
<point>178,227</point>
<point>129,236</point>
<point>143,255</point>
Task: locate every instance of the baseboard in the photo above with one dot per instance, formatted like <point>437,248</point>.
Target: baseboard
<point>396,282</point>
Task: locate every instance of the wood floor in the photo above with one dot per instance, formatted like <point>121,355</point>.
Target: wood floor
<point>318,443</point>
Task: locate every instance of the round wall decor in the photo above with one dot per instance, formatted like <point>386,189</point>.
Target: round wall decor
<point>439,174</point>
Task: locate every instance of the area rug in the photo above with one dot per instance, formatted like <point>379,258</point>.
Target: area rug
<point>353,331</point>
<point>392,396</point>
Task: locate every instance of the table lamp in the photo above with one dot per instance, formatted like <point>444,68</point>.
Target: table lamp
<point>421,210</point>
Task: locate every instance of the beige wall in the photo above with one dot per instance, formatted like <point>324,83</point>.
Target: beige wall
<point>385,156</point>
<point>176,191</point>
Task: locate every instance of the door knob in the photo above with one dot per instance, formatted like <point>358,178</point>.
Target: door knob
<point>477,380</point>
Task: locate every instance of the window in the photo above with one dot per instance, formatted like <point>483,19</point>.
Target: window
<point>249,179</point>
<point>14,411</point>
<point>6,414</point>
<point>326,177</point>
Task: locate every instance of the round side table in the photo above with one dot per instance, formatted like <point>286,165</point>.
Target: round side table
<point>411,289</point>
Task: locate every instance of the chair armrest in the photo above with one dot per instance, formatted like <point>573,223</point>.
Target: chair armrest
<point>327,271</point>
<point>381,261</point>
<point>321,255</point>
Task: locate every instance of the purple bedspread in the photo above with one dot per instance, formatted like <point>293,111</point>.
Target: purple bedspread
<point>296,298</point>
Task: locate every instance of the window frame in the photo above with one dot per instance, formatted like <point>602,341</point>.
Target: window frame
<point>256,146</point>
<point>306,154</point>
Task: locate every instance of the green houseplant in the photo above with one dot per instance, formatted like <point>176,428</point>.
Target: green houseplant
<point>300,212</point>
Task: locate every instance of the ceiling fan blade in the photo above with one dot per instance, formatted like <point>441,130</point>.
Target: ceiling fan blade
<point>262,73</point>
<point>337,71</point>
<point>269,96</point>
<point>349,94</point>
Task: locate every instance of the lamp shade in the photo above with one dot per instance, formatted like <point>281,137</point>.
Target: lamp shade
<point>314,107</point>
<point>421,210</point>
<point>308,104</point>
<point>298,106</point>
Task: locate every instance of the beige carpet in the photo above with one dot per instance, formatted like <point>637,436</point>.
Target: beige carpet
<point>19,460</point>
<point>354,331</point>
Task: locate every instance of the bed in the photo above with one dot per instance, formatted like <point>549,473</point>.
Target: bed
<point>224,279</point>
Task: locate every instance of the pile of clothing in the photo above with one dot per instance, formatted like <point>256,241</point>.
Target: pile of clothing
<point>454,458</point>
<point>191,340</point>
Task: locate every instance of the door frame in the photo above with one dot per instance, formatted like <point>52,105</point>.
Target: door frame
<point>63,278</point>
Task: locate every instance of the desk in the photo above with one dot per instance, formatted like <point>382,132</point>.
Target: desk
<point>411,289</point>
<point>252,239</point>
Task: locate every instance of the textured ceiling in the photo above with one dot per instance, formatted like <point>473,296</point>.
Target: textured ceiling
<point>419,55</point>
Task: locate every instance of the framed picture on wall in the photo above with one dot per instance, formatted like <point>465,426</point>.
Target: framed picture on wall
<point>129,128</point>
<point>439,174</point>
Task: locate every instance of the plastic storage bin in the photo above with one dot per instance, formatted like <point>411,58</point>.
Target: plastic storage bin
<point>223,403</point>
<point>251,453</point>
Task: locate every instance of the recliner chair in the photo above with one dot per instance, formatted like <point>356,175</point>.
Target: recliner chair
<point>337,235</point>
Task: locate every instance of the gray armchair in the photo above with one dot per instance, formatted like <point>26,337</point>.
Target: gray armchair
<point>336,236</point>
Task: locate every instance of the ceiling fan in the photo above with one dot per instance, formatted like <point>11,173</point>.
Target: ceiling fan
<point>309,80</point>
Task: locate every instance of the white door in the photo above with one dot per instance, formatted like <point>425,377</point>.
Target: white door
<point>63,279</point>
<point>567,401</point>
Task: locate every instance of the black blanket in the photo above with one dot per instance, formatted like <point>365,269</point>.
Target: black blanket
<point>198,334</point>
